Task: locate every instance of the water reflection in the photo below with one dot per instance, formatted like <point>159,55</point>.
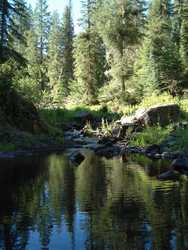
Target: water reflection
<point>103,204</point>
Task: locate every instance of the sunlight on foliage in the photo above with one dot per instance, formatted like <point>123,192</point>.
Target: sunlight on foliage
<point>150,135</point>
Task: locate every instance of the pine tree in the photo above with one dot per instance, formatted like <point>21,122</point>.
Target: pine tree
<point>88,8</point>
<point>120,24</point>
<point>89,57</point>
<point>28,79</point>
<point>184,38</point>
<point>8,29</point>
<point>55,59</point>
<point>22,23</point>
<point>158,63</point>
<point>68,37</point>
<point>176,21</point>
<point>89,66</point>
<point>42,27</point>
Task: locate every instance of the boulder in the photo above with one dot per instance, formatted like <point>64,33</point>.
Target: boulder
<point>128,120</point>
<point>180,164</point>
<point>76,158</point>
<point>159,114</point>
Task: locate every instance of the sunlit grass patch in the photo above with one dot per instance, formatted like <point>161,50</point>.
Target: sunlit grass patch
<point>150,136</point>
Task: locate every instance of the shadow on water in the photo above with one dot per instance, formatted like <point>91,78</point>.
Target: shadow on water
<point>103,204</point>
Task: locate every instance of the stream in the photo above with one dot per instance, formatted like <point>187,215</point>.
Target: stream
<point>47,203</point>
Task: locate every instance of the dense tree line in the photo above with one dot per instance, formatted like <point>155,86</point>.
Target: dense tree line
<point>126,49</point>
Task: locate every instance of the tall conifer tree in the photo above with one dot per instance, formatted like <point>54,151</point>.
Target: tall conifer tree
<point>120,24</point>
<point>8,29</point>
<point>68,36</point>
<point>158,67</point>
<point>184,38</point>
<point>55,58</point>
<point>89,56</point>
<point>42,27</point>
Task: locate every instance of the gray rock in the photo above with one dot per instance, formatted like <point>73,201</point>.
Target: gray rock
<point>159,114</point>
<point>128,120</point>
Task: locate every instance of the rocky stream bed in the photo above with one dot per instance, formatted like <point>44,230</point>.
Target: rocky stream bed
<point>116,144</point>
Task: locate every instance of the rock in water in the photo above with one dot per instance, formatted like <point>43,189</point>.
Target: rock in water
<point>153,149</point>
<point>180,164</point>
<point>169,175</point>
<point>77,158</point>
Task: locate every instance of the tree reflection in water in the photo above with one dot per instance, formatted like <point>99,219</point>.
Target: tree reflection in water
<point>103,204</point>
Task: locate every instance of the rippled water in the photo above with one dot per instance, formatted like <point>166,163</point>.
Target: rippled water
<point>45,203</point>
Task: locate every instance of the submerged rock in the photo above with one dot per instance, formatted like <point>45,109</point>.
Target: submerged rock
<point>76,158</point>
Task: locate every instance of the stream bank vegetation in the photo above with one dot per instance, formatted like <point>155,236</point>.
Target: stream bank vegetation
<point>128,54</point>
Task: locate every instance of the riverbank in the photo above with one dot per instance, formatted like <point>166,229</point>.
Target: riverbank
<point>99,129</point>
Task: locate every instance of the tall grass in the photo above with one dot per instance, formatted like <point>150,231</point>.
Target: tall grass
<point>150,136</point>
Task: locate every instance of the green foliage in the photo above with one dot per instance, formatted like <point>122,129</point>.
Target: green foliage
<point>22,22</point>
<point>184,38</point>
<point>120,25</point>
<point>158,67</point>
<point>10,30</point>
<point>89,66</point>
<point>28,79</point>
<point>67,40</point>
<point>42,27</point>
<point>55,61</point>
<point>7,72</point>
<point>107,127</point>
<point>179,140</point>
<point>89,55</point>
<point>150,136</point>
<point>7,147</point>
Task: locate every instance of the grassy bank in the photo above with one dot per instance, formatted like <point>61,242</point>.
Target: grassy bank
<point>174,135</point>
<point>61,116</point>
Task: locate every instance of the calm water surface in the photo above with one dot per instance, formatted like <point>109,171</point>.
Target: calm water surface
<point>45,203</point>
